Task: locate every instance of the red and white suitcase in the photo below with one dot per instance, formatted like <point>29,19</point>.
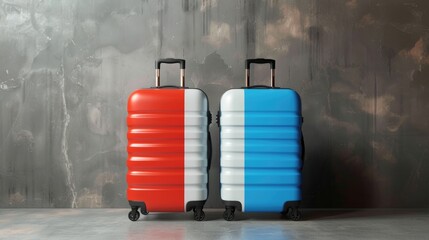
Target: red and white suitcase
<point>169,148</point>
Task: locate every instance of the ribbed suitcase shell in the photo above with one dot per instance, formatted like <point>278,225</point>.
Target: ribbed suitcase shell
<point>167,148</point>
<point>261,148</point>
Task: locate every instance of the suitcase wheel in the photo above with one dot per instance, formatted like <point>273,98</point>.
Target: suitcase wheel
<point>134,215</point>
<point>294,214</point>
<point>228,215</point>
<point>144,212</point>
<point>199,214</point>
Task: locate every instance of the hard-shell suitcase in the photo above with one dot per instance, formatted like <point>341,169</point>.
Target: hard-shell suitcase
<point>169,148</point>
<point>261,148</point>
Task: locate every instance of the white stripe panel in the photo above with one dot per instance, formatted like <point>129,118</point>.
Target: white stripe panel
<point>232,146</point>
<point>195,146</point>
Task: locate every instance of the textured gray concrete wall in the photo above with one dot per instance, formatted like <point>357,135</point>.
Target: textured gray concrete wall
<point>67,67</point>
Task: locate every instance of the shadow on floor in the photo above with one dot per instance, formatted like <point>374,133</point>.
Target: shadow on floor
<point>335,214</point>
<point>308,215</point>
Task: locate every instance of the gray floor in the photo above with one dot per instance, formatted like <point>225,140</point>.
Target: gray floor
<point>114,224</point>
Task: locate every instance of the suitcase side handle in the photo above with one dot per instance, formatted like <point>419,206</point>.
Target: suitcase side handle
<point>209,151</point>
<point>169,61</point>
<point>272,63</point>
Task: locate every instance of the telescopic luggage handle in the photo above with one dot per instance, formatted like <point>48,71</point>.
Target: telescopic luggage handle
<point>272,63</point>
<point>170,61</point>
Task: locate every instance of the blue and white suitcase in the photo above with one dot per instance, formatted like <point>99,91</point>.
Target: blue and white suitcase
<point>261,148</point>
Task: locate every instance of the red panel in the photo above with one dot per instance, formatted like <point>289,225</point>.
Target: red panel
<point>160,132</point>
<point>150,161</point>
<point>156,149</point>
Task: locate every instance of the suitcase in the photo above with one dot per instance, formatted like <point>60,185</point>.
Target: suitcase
<point>169,148</point>
<point>261,148</point>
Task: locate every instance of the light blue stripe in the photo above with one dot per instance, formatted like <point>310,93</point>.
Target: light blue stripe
<point>272,149</point>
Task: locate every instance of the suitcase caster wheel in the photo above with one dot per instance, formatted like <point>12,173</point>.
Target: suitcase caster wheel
<point>228,215</point>
<point>199,215</point>
<point>134,215</point>
<point>294,214</point>
<point>144,212</point>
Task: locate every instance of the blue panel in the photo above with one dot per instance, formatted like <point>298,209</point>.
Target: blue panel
<point>267,132</point>
<point>273,160</point>
<point>272,149</point>
<point>269,198</point>
<point>272,100</point>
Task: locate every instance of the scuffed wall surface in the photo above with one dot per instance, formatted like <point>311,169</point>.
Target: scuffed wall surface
<point>67,67</point>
